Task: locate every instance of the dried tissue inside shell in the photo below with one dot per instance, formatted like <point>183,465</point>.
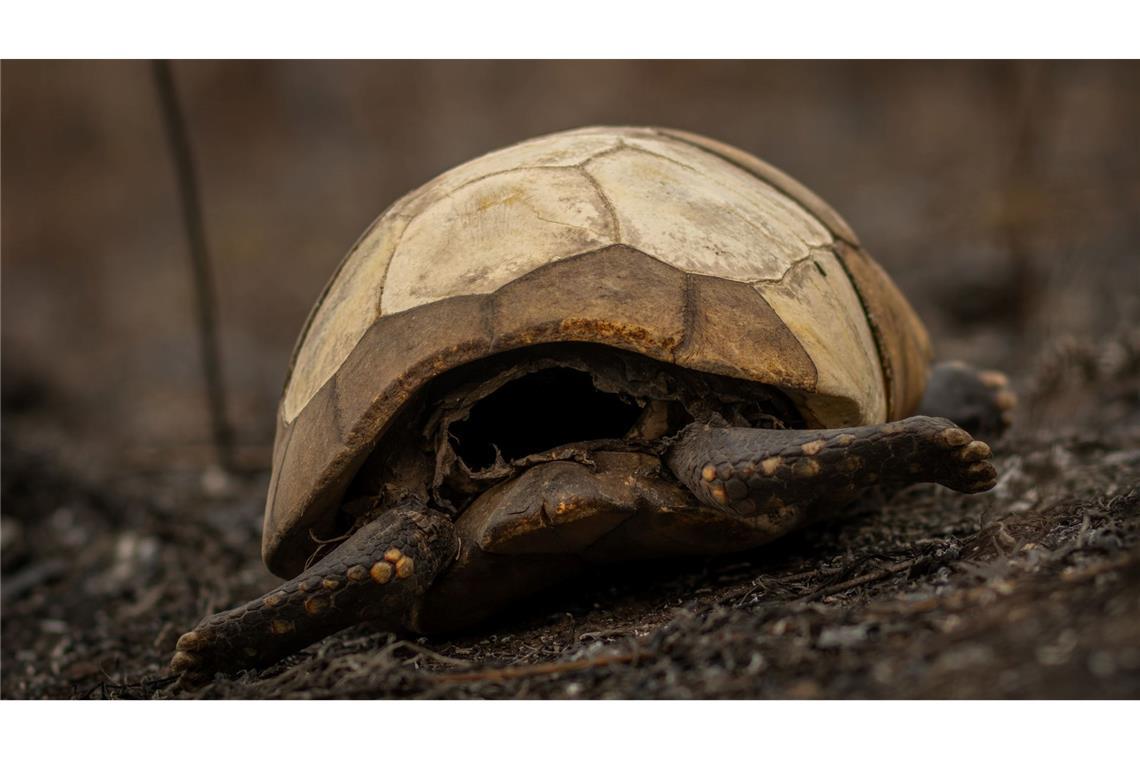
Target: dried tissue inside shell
<point>488,421</point>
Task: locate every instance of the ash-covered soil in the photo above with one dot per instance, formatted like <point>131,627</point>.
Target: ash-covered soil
<point>1031,590</point>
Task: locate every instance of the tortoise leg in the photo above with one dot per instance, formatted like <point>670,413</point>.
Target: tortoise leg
<point>978,400</point>
<point>750,471</point>
<point>380,573</point>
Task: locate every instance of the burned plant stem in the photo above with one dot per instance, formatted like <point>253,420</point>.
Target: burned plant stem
<point>174,124</point>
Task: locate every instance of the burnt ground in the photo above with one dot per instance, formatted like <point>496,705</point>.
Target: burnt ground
<point>1002,198</point>
<point>1031,590</point>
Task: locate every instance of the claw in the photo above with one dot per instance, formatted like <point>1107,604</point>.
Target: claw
<point>991,378</point>
<point>982,470</point>
<point>955,436</point>
<point>191,642</point>
<point>183,662</point>
<point>975,451</point>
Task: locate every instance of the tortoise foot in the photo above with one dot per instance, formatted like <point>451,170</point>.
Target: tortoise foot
<point>981,401</point>
<point>380,573</point>
<point>752,471</point>
<point>957,461</point>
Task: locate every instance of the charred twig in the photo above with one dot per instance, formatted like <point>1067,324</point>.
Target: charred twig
<point>179,141</point>
<point>424,651</point>
<point>779,581</point>
<point>607,633</point>
<point>871,577</point>
<point>541,669</point>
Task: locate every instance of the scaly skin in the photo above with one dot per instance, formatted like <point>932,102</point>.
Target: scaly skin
<point>750,471</point>
<point>380,573</point>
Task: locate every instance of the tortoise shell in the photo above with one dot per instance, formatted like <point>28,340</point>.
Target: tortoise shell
<point>657,241</point>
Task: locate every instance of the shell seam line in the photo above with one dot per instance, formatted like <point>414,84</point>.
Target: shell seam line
<point>689,312</point>
<point>763,229</point>
<point>614,222</point>
<point>876,335</point>
<point>388,265</point>
<point>498,173</point>
<point>814,368</point>
<point>328,286</point>
<point>490,319</point>
<point>688,316</point>
<point>621,145</point>
<point>624,146</point>
<point>782,194</point>
<point>542,218</point>
<point>334,399</point>
<point>527,167</point>
<point>778,191</point>
<point>738,165</point>
<point>809,256</point>
<point>537,167</point>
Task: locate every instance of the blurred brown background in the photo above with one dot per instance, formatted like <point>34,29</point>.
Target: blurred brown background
<point>1002,196</point>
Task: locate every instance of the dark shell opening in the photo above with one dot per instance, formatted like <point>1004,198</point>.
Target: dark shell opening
<point>538,412</point>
